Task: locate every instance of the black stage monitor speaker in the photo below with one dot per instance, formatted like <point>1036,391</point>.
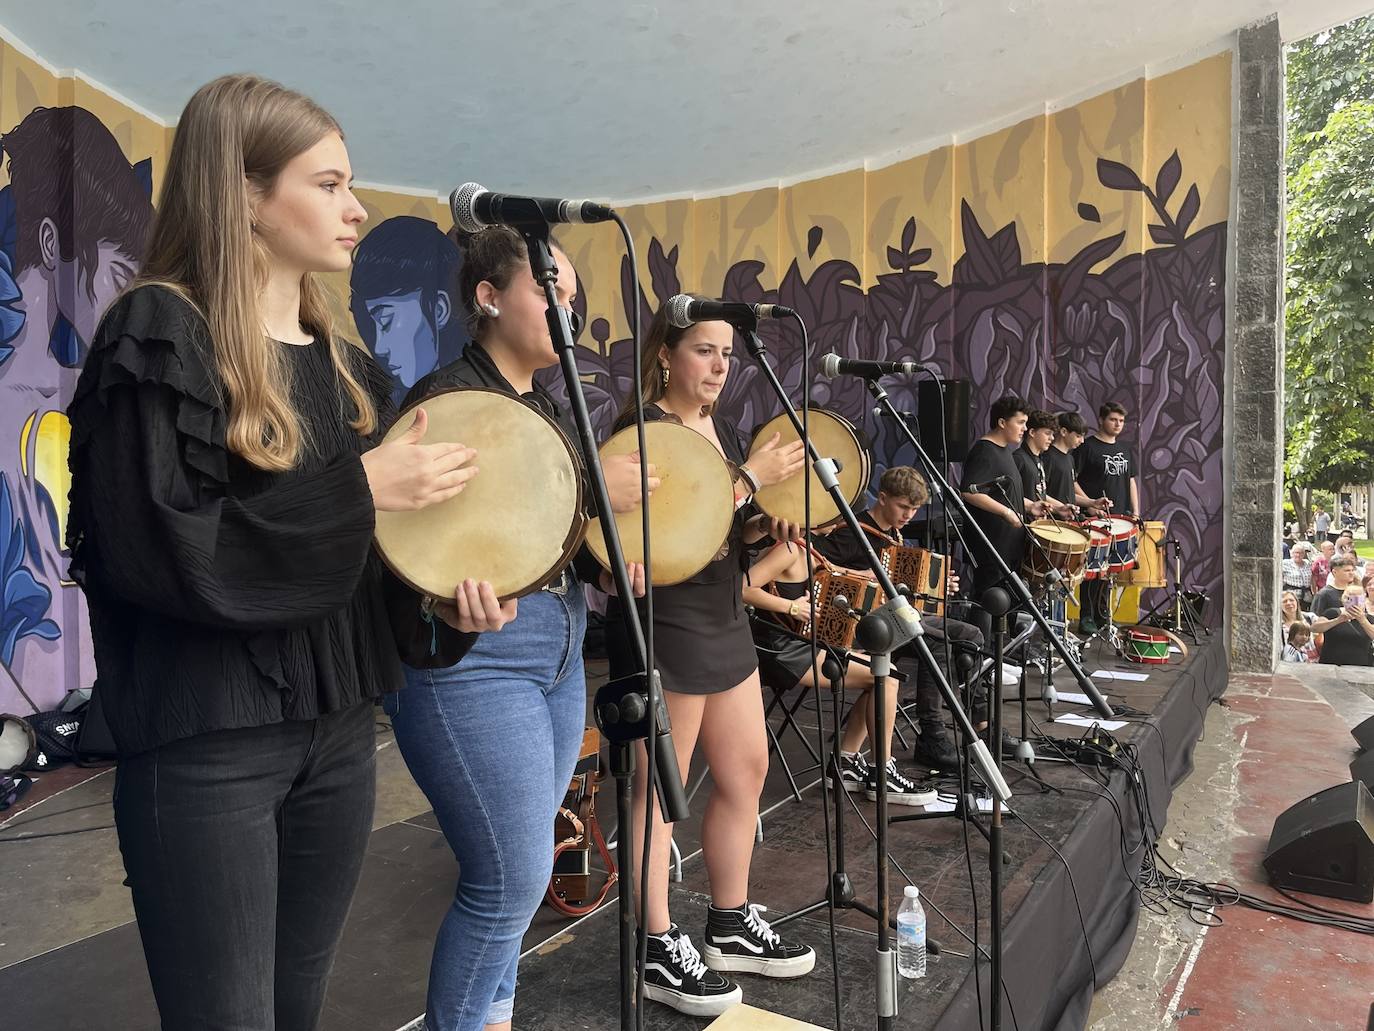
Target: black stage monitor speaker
<point>1362,769</point>
<point>956,428</point>
<point>1364,734</point>
<point>1324,845</point>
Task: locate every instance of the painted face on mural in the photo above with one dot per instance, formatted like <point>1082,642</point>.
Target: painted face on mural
<point>82,307</point>
<point>522,328</point>
<point>699,364</point>
<point>405,337</point>
<point>310,220</point>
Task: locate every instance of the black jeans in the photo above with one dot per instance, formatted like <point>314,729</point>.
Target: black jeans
<point>944,637</point>
<point>243,848</point>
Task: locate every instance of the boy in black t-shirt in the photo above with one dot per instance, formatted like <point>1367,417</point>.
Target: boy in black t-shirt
<point>1034,461</point>
<point>901,492</point>
<point>1061,479</point>
<point>1106,469</point>
<point>999,504</point>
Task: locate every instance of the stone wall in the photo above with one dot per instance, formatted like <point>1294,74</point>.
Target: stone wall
<point>1254,395</point>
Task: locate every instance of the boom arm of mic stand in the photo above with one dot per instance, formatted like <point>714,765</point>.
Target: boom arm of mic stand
<point>1014,581</point>
<point>902,620</point>
<point>672,798</point>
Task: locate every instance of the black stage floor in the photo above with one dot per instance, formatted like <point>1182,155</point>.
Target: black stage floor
<point>568,978</point>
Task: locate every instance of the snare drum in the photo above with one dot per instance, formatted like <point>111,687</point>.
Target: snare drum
<point>498,528</point>
<point>832,436</point>
<point>1099,548</point>
<point>1125,542</point>
<point>689,514</point>
<point>1057,546</point>
<point>1139,644</point>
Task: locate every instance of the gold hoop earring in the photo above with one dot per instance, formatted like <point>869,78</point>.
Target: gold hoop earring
<point>665,377</point>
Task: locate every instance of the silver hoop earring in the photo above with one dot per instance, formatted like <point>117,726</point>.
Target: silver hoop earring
<point>491,310</point>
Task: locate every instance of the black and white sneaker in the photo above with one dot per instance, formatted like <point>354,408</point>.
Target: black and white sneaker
<point>901,790</point>
<point>675,976</point>
<point>740,939</point>
<point>854,770</point>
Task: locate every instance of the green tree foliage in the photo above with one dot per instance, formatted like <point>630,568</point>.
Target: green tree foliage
<point>1329,313</point>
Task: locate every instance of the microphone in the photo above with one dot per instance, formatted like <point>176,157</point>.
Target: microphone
<point>684,311</point>
<point>833,365</point>
<point>986,485</point>
<point>474,207</point>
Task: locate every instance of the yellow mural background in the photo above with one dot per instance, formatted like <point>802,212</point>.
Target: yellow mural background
<point>1035,173</point>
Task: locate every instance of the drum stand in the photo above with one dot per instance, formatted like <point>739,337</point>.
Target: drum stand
<point>630,709</point>
<point>1184,621</point>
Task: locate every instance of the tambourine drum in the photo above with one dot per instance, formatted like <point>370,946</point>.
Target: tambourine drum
<point>1149,559</point>
<point>516,524</point>
<point>1061,547</point>
<point>833,437</point>
<point>1125,544</point>
<point>1099,548</point>
<point>689,514</point>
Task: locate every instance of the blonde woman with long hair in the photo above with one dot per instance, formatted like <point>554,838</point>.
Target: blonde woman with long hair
<point>224,483</point>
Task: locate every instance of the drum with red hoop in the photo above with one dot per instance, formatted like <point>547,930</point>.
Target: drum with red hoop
<point>1099,548</point>
<point>1125,540</point>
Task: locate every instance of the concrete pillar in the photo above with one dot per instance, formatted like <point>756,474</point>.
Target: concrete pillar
<point>1254,390</point>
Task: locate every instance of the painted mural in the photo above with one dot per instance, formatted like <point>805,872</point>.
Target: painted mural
<point>1075,258</point>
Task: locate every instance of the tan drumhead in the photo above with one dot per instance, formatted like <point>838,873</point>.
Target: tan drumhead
<point>1068,538</point>
<point>689,514</point>
<point>518,521</point>
<point>833,437</point>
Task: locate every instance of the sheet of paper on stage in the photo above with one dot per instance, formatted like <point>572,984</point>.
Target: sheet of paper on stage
<point>1078,719</point>
<point>1074,698</point>
<point>1175,649</point>
<point>939,806</point>
<point>1116,674</point>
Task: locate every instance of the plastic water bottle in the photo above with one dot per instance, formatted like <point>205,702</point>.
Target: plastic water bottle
<point>911,934</point>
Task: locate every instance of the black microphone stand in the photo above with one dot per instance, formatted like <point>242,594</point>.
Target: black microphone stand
<point>1020,592</point>
<point>890,626</point>
<point>629,709</point>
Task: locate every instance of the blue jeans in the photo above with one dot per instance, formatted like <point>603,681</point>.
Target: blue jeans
<point>492,742</point>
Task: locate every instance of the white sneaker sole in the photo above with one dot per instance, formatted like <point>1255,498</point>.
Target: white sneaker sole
<point>912,798</point>
<point>693,1005</point>
<point>795,967</point>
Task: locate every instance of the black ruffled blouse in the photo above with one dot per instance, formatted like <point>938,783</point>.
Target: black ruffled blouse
<point>220,595</point>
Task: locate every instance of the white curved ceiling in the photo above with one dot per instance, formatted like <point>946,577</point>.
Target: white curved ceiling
<point>625,100</point>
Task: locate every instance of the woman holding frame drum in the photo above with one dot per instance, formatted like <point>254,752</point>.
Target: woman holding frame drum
<point>705,656</point>
<point>225,482</point>
<point>492,739</point>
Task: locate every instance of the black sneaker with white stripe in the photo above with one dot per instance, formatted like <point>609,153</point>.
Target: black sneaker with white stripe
<point>901,790</point>
<point>853,771</point>
<point>740,939</point>
<point>675,976</point>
